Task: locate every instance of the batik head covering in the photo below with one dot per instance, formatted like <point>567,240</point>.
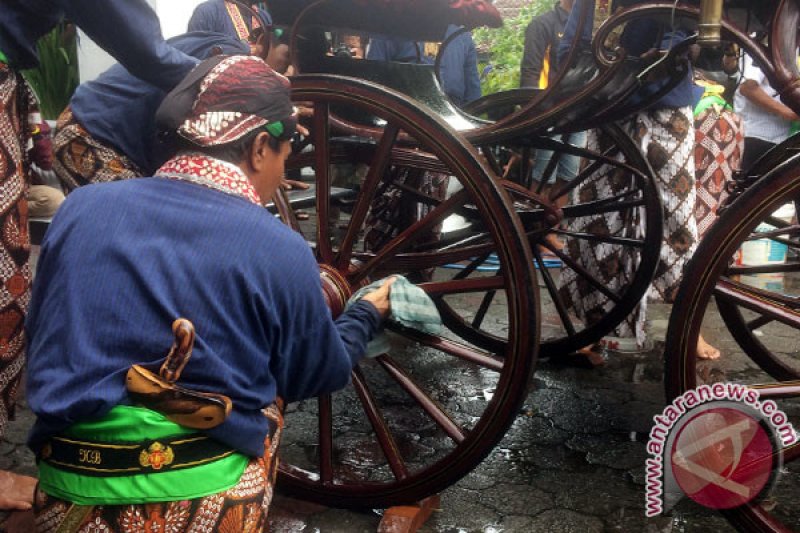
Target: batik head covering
<point>224,99</point>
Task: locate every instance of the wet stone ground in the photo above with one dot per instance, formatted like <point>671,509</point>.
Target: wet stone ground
<point>572,461</point>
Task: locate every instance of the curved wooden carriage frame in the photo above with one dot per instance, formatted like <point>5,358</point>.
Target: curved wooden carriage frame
<point>541,113</point>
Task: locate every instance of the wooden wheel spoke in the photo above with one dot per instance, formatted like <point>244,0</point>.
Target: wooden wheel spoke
<point>606,205</point>
<point>483,308</point>
<point>462,286</point>
<point>471,267</point>
<point>409,236</point>
<point>285,211</point>
<point>326,439</point>
<point>623,241</point>
<point>428,404</point>
<point>585,274</point>
<point>776,268</point>
<point>322,168</point>
<point>369,188</point>
<point>758,322</point>
<point>450,347</point>
<point>382,431</point>
<point>590,169</point>
<point>781,389</point>
<point>765,303</point>
<point>552,289</point>
<point>791,453</point>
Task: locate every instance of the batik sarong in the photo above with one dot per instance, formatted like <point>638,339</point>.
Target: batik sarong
<point>242,508</point>
<point>81,159</point>
<point>666,137</point>
<point>718,153</point>
<point>16,102</point>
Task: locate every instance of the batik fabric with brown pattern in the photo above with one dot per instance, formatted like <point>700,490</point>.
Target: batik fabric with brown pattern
<point>240,509</point>
<point>81,159</point>
<point>717,155</point>
<point>16,102</point>
<point>666,137</point>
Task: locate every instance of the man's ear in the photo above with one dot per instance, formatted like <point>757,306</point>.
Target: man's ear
<point>259,151</point>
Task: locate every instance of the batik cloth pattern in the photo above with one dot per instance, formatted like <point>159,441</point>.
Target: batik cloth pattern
<point>81,159</point>
<point>242,508</point>
<point>16,101</point>
<point>394,211</point>
<point>719,145</point>
<point>212,173</point>
<point>666,137</point>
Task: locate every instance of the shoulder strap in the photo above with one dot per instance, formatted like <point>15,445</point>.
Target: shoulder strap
<point>238,21</point>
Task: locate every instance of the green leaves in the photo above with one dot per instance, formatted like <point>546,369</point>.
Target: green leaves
<point>56,78</point>
<point>501,48</point>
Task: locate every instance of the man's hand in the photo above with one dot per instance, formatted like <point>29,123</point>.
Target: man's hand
<point>288,185</point>
<point>380,298</point>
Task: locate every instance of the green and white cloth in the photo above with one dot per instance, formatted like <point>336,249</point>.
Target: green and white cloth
<point>410,307</point>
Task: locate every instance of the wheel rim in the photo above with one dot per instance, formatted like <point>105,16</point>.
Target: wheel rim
<point>372,461</point>
<point>712,273</point>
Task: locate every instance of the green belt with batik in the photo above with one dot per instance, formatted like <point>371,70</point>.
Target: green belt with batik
<point>135,455</point>
<point>3,58</point>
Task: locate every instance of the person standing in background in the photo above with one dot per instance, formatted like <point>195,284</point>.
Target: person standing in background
<point>542,36</point>
<point>538,69</point>
<point>767,120</point>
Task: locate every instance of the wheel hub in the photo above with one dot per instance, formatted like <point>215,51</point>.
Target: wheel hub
<point>335,288</point>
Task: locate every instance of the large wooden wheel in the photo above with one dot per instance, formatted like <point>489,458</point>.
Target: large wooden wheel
<point>428,410</point>
<point>761,309</point>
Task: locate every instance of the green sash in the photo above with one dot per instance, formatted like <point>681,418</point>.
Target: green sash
<point>137,424</point>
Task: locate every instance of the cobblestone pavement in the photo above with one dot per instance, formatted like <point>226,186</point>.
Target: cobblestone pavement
<point>573,460</point>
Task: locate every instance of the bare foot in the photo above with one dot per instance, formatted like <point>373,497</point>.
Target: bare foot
<point>553,240</point>
<point>16,491</point>
<point>705,350</point>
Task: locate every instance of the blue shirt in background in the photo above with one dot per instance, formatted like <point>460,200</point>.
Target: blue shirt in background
<point>459,66</point>
<point>129,30</point>
<point>119,109</point>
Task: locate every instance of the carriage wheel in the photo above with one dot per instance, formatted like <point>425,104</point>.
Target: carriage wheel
<point>424,413</point>
<point>765,300</point>
<point>751,335</point>
<point>610,221</point>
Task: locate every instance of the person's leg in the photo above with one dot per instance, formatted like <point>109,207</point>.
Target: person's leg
<point>15,276</point>
<point>80,159</point>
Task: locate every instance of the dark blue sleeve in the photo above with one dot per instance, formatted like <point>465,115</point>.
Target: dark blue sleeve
<point>130,31</point>
<point>571,29</point>
<point>315,354</point>
<point>356,328</point>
